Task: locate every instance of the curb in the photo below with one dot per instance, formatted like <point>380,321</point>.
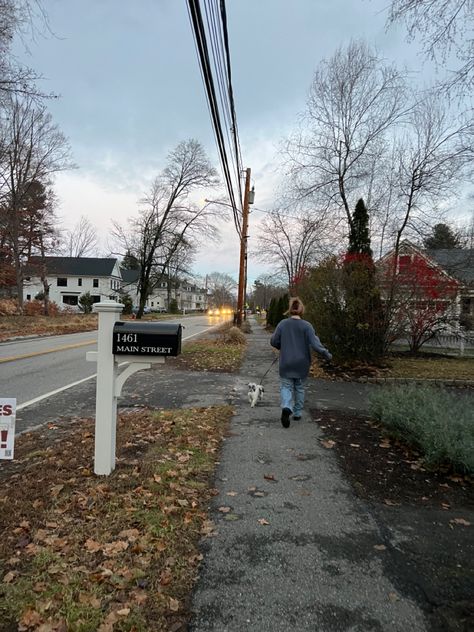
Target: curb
<point>414,380</point>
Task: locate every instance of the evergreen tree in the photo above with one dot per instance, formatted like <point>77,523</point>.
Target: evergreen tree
<point>86,302</point>
<point>443,236</point>
<point>130,262</point>
<point>359,235</point>
<point>271,313</point>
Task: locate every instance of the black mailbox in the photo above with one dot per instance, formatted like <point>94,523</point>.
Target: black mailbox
<point>147,339</point>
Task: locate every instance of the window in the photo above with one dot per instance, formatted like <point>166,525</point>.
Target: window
<point>164,284</point>
<point>466,306</point>
<point>403,263</point>
<point>79,282</point>
<point>95,282</point>
<point>70,299</point>
<point>28,297</point>
<point>95,299</point>
<point>152,304</point>
<point>62,282</point>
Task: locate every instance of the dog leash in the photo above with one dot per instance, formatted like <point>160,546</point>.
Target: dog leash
<point>265,374</point>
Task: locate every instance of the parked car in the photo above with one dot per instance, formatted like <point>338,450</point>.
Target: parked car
<point>146,309</point>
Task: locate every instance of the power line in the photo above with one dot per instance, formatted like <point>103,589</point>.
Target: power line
<point>225,93</point>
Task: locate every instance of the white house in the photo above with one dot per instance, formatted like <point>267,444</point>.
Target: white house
<point>70,277</point>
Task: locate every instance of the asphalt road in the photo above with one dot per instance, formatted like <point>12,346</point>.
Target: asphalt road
<point>34,368</point>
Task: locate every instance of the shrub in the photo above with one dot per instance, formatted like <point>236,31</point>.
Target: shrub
<point>436,421</point>
<point>234,336</point>
<point>8,306</point>
<point>343,305</point>
<point>127,302</point>
<point>173,307</point>
<point>245,327</point>
<point>36,308</point>
<point>86,302</point>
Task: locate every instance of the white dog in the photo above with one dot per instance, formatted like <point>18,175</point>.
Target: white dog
<point>255,393</point>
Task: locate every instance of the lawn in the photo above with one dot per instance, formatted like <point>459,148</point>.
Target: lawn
<point>17,326</point>
<point>87,554</point>
<point>429,366</point>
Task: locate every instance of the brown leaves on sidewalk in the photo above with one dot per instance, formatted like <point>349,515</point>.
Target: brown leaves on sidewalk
<point>116,553</point>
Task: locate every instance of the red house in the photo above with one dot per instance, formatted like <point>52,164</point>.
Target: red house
<point>428,292</point>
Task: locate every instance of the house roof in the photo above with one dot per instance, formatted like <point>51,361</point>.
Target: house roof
<point>459,263</point>
<point>77,266</point>
<point>129,276</point>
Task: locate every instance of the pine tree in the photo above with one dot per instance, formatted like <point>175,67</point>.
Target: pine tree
<point>443,236</point>
<point>359,235</point>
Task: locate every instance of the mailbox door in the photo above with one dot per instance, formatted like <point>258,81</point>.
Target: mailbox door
<point>147,339</point>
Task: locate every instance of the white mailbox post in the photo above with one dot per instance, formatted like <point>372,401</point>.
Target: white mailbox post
<point>139,346</point>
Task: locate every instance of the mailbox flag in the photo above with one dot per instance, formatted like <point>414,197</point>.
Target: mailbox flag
<point>7,427</point>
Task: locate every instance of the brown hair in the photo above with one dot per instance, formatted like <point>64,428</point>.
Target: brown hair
<point>296,307</point>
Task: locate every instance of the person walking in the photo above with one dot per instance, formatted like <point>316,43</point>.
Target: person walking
<point>295,338</point>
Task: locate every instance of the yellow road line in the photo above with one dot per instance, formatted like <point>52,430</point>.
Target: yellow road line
<point>38,353</point>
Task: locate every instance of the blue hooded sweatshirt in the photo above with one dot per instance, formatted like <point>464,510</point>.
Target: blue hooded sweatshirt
<point>295,338</point>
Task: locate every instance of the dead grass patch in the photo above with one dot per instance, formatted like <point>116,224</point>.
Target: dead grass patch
<point>427,367</point>
<point>208,354</point>
<point>16,326</point>
<point>86,554</point>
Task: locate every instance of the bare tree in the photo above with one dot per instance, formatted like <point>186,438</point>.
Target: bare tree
<point>18,17</point>
<point>445,28</point>
<point>354,101</point>
<point>169,217</point>
<point>34,150</point>
<point>291,244</point>
<point>81,241</point>
<point>221,287</point>
<point>432,160</point>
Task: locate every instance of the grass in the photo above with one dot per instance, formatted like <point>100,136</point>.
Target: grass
<point>422,367</point>
<point>439,423</point>
<point>15,326</point>
<point>432,367</point>
<point>217,354</point>
<point>88,554</point>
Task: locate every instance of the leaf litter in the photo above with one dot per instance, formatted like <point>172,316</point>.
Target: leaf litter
<point>83,553</point>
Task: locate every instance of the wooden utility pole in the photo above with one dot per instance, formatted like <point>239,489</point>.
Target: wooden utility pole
<point>243,251</point>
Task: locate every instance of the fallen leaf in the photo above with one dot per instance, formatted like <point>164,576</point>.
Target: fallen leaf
<point>124,612</point>
<point>464,523</point>
<point>9,577</point>
<point>390,503</point>
<point>173,604</point>
<point>393,597</point>
<point>269,477</point>
<point>328,444</point>
<point>130,534</point>
<point>354,445</point>
<point>262,521</point>
<point>92,546</point>
<point>30,619</point>
<point>380,547</point>
<point>224,509</point>
<point>231,494</point>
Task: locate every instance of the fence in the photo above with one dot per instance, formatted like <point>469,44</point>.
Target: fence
<point>461,344</point>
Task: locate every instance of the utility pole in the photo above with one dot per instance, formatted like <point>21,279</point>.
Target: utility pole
<point>243,250</point>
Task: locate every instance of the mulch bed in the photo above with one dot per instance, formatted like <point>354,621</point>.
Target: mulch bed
<point>425,516</point>
<point>386,469</point>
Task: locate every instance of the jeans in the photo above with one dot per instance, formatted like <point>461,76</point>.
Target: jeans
<point>292,390</point>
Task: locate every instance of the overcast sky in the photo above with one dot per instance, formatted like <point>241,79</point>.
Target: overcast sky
<point>131,89</point>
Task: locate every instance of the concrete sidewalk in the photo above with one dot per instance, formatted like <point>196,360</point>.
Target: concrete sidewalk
<point>293,548</point>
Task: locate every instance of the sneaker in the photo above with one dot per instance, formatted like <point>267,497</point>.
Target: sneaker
<point>285,417</point>
<point>296,417</point>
